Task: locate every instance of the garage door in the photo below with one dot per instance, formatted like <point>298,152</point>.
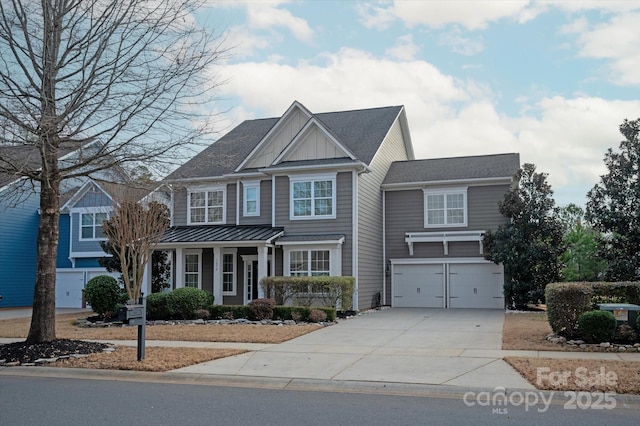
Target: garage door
<point>476,286</point>
<point>69,285</point>
<point>418,286</point>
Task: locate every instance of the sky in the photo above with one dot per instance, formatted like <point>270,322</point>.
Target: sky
<point>550,80</point>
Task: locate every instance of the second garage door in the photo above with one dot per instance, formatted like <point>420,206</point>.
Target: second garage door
<point>448,285</point>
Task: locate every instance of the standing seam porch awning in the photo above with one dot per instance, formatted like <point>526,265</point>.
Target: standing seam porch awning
<point>220,233</point>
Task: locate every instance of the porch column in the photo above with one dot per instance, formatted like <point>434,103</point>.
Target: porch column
<point>179,268</point>
<point>263,256</point>
<point>217,275</point>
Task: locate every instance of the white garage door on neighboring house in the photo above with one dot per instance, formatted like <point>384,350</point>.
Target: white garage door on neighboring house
<point>69,285</point>
<point>70,282</point>
<point>449,283</point>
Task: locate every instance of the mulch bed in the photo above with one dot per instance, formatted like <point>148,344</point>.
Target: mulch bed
<point>28,353</point>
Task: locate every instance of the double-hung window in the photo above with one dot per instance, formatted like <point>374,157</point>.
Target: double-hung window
<point>229,273</point>
<point>314,263</point>
<point>192,268</point>
<point>445,207</point>
<point>207,206</point>
<point>313,197</point>
<point>251,198</point>
<point>91,225</point>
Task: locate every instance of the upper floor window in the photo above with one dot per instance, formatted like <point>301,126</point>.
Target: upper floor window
<point>313,196</point>
<point>91,226</point>
<point>207,206</point>
<point>445,207</point>
<point>251,198</point>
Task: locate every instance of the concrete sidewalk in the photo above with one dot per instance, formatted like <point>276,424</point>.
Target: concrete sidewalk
<point>412,347</point>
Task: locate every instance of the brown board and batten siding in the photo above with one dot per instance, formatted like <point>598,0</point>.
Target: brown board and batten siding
<point>370,257</point>
<point>340,225</point>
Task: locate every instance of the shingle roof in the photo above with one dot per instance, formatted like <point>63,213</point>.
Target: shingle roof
<point>224,155</point>
<point>360,131</point>
<point>211,233</point>
<point>455,168</point>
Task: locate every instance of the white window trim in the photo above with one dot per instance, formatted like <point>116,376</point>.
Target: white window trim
<point>313,178</point>
<point>255,184</point>
<point>234,291</point>
<point>206,190</point>
<point>335,256</point>
<point>445,192</point>
<point>92,211</point>
<point>187,252</point>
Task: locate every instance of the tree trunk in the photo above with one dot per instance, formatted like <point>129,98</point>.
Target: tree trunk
<point>43,325</point>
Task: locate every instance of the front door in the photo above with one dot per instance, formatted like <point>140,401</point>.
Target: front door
<point>251,279</point>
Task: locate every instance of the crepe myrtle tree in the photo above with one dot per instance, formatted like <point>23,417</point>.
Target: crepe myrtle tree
<point>530,244</point>
<point>613,207</point>
<point>116,82</point>
<point>133,231</point>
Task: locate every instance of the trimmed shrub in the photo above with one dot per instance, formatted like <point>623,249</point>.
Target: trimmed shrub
<point>597,326</point>
<point>565,303</point>
<point>618,292</point>
<point>158,306</point>
<point>229,312</point>
<point>260,309</point>
<point>317,315</point>
<point>625,334</point>
<point>203,314</point>
<point>184,302</point>
<point>104,295</point>
<point>326,291</point>
<point>638,323</point>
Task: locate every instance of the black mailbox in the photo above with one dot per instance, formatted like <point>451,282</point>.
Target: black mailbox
<point>131,314</point>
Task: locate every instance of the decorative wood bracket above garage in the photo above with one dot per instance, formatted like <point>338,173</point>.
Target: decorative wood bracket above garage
<point>443,237</point>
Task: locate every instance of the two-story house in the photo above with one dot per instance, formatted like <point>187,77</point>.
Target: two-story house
<point>296,195</point>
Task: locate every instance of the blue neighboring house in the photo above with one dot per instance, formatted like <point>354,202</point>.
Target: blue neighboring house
<point>84,204</point>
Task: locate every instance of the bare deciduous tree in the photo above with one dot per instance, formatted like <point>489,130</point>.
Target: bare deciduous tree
<point>116,82</point>
<point>134,231</point>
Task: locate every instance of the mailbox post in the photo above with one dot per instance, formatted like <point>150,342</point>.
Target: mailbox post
<point>136,315</point>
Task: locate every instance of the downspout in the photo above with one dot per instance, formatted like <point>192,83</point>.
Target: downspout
<point>171,205</point>
<point>238,202</point>
<point>354,239</point>
<point>273,201</point>
<point>384,248</point>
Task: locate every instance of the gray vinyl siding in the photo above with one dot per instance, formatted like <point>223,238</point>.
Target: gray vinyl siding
<point>405,213</point>
<point>76,244</point>
<point>181,211</point>
<point>340,225</point>
<point>370,253</point>
<point>265,206</point>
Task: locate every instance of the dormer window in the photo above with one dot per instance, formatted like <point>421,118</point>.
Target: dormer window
<point>207,206</point>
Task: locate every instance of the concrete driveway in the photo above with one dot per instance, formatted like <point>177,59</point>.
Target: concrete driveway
<point>396,345</point>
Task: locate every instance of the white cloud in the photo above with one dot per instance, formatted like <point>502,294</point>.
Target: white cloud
<point>404,49</point>
<point>374,16</point>
<point>267,15</point>
<point>576,26</point>
<point>459,44</point>
<point>470,14</point>
<point>617,40</point>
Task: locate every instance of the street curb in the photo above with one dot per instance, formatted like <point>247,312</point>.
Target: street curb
<point>297,384</point>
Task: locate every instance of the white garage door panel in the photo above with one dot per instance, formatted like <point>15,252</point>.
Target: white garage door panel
<point>418,286</point>
<point>69,287</point>
<point>476,286</point>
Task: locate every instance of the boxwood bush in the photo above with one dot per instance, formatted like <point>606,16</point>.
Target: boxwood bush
<point>597,326</point>
<point>565,303</point>
<point>184,302</point>
<point>158,306</point>
<point>618,292</point>
<point>104,295</point>
<point>327,291</point>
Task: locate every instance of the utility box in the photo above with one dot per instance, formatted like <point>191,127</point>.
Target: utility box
<point>131,314</point>
<point>624,312</point>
